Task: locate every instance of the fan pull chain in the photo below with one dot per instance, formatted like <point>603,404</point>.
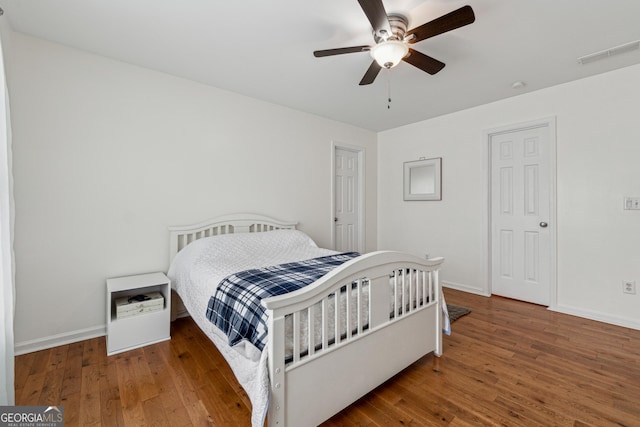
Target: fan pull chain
<point>388,88</point>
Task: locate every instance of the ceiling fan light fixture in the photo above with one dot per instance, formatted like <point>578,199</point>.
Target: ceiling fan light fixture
<point>389,53</point>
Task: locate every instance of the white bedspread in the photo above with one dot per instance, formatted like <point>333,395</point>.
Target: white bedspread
<point>198,269</point>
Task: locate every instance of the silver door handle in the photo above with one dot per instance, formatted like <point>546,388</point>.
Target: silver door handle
<point>543,224</point>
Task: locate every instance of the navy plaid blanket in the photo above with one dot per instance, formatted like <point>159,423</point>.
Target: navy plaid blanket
<point>235,308</point>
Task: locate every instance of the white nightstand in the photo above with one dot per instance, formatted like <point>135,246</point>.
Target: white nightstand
<point>146,328</point>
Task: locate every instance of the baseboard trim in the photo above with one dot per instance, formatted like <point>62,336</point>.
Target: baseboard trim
<point>597,316</point>
<point>463,288</point>
<point>24,347</point>
<point>182,313</point>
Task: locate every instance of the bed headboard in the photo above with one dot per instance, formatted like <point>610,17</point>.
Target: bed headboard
<point>181,236</point>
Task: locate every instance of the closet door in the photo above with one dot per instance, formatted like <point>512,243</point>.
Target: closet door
<point>520,213</point>
<point>347,205</point>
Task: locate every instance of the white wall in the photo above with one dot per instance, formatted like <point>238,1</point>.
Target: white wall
<point>598,154</point>
<point>107,155</point>
<point>7,270</point>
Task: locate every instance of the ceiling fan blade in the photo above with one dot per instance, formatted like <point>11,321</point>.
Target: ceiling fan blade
<point>374,9</point>
<point>340,51</point>
<point>452,20</point>
<point>425,63</point>
<point>371,74</point>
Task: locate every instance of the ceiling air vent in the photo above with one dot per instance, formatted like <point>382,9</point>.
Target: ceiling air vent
<point>604,54</point>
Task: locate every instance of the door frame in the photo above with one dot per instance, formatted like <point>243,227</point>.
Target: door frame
<point>549,122</point>
<point>361,151</point>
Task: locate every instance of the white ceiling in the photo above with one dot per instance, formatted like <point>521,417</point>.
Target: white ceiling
<point>263,49</point>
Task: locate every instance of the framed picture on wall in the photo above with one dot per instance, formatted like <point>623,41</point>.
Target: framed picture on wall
<point>423,179</point>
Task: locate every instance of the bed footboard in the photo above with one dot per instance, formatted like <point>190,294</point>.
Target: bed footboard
<point>352,329</point>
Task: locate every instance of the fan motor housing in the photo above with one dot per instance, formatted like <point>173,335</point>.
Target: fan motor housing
<point>398,25</point>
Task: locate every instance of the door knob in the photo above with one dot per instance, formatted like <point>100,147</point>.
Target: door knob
<point>543,224</point>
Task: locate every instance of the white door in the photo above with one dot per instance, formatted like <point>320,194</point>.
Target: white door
<point>520,213</point>
<point>346,193</point>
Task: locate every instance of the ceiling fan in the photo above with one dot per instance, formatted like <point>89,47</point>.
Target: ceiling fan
<point>392,39</point>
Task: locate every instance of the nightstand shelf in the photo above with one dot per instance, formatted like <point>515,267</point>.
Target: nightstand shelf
<point>125,334</point>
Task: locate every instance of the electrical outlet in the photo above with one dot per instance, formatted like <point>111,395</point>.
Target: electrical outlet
<point>629,287</point>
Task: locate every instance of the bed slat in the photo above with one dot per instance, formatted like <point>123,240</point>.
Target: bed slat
<point>325,323</point>
<point>348,305</point>
<point>311,315</point>
<point>296,337</point>
<point>336,310</point>
<point>359,308</point>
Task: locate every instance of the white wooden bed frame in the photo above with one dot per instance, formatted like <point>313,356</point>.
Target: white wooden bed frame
<point>318,384</point>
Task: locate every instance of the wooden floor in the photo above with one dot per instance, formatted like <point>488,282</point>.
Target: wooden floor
<point>507,363</point>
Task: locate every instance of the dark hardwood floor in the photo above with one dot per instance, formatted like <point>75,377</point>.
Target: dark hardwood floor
<point>507,363</point>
